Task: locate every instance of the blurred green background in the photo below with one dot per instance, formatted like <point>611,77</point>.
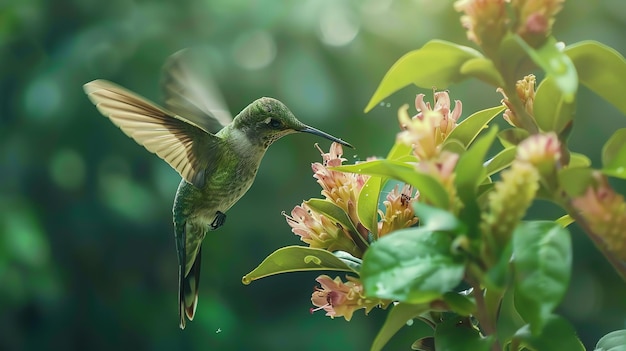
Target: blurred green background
<point>87,257</point>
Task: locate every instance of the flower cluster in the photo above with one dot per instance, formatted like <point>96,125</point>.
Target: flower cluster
<point>341,299</point>
<point>427,130</point>
<point>525,89</point>
<point>398,211</point>
<point>484,20</point>
<point>604,210</point>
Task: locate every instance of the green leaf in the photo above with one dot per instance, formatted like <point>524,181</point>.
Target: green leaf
<point>564,221</point>
<point>470,127</point>
<point>558,334</point>
<point>430,189</point>
<point>556,64</point>
<point>500,161</point>
<point>398,150</point>
<point>469,173</point>
<point>483,69</point>
<point>578,161</point>
<point>460,304</point>
<point>552,111</point>
<point>338,215</point>
<point>436,64</point>
<point>509,321</point>
<point>542,259</point>
<point>411,265</point>
<point>458,334</point>
<point>436,219</point>
<point>367,204</point>
<point>512,136</point>
<point>398,317</point>
<point>614,148</point>
<point>575,180</point>
<point>294,259</point>
<point>601,69</point>
<point>613,341</point>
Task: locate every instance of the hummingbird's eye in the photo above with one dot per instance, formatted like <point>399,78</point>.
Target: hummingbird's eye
<point>274,123</point>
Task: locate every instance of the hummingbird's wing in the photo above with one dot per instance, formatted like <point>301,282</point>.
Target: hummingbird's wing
<point>183,144</point>
<point>189,91</point>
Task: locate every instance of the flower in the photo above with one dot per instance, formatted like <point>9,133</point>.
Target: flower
<point>427,130</point>
<point>442,169</point>
<point>484,20</point>
<point>507,203</point>
<point>525,89</point>
<point>535,19</point>
<point>339,187</point>
<point>542,151</point>
<point>341,299</point>
<point>398,211</point>
<point>605,212</point>
<point>320,232</point>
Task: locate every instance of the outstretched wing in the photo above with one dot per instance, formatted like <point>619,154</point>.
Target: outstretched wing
<point>189,91</point>
<point>183,144</point>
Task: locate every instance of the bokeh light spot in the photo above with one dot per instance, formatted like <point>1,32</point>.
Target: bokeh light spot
<point>254,50</point>
<point>338,27</point>
<point>42,98</point>
<point>67,169</point>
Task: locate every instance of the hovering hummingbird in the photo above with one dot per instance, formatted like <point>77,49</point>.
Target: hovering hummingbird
<point>216,156</point>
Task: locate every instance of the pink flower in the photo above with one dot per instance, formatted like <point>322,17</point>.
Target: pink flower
<point>484,20</point>
<point>398,211</point>
<point>427,130</point>
<point>339,187</point>
<point>320,232</point>
<point>341,299</point>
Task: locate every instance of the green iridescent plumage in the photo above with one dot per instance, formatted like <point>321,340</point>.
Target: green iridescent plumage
<point>217,159</point>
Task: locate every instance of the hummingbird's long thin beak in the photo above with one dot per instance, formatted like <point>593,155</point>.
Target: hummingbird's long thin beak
<point>318,132</point>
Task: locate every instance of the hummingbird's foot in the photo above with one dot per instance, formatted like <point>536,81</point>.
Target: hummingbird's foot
<point>220,219</point>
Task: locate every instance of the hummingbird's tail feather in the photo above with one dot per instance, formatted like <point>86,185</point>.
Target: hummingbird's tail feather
<point>188,291</point>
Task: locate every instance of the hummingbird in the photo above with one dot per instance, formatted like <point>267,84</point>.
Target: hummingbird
<point>216,156</point>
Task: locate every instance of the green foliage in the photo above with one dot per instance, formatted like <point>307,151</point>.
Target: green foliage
<point>479,277</point>
<point>542,260</point>
<point>297,258</point>
<point>412,265</point>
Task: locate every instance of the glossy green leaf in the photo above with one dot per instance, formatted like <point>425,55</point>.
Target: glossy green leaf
<point>500,161</point>
<point>437,64</point>
<point>558,334</point>
<point>460,304</point>
<point>578,160</point>
<point>601,69</point>
<point>575,180</point>
<point>552,112</point>
<point>542,258</point>
<point>512,136</point>
<point>431,191</point>
<point>367,204</point>
<point>556,64</point>
<point>613,341</point>
<point>294,259</point>
<point>411,265</point>
<point>483,69</point>
<point>338,215</point>
<point>457,334</point>
<point>436,219</point>
<point>397,318</point>
<point>470,127</point>
<point>454,146</point>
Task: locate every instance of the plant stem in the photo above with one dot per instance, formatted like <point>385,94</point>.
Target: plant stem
<point>482,314</point>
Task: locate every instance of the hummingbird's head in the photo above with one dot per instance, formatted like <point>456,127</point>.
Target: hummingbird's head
<point>266,120</point>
